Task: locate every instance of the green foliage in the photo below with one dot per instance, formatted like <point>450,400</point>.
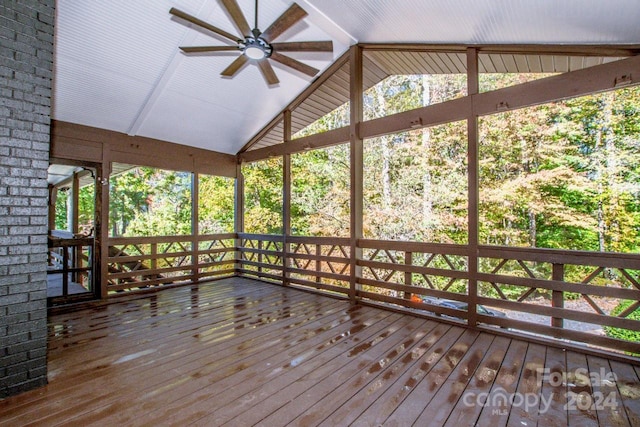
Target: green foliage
<point>150,202</point>
<point>61,210</point>
<point>320,192</point>
<point>563,175</point>
<point>86,209</point>
<point>216,204</point>
<point>263,196</point>
<point>620,333</point>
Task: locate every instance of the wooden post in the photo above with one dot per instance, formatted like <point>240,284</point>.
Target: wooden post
<point>260,257</point>
<point>102,229</point>
<point>318,262</point>
<point>95,255</point>
<point>74,219</point>
<point>286,199</point>
<point>53,196</point>
<point>153,250</point>
<point>195,225</point>
<point>356,166</point>
<point>473,185</point>
<point>408,276</point>
<point>65,270</point>
<point>557,297</point>
<point>238,215</point>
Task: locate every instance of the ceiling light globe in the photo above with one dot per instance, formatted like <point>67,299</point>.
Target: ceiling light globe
<point>254,52</point>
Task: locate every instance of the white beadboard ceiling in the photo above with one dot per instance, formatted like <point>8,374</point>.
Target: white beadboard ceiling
<point>118,66</point>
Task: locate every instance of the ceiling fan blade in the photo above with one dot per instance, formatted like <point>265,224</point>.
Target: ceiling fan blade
<point>294,63</point>
<point>287,20</point>
<point>267,71</point>
<point>196,49</point>
<point>237,16</point>
<point>202,24</point>
<point>235,66</point>
<point>303,46</point>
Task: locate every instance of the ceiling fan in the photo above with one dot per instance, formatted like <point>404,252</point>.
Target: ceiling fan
<point>257,46</point>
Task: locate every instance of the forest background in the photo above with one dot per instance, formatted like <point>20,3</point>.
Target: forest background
<point>560,175</point>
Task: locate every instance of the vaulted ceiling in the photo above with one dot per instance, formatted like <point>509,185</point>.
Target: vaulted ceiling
<point>118,65</point>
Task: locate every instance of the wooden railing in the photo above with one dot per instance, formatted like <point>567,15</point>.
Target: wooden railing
<point>312,262</point>
<point>410,273</point>
<point>322,263</point>
<point>558,294</point>
<point>562,294</point>
<point>140,262</point>
<point>72,257</point>
<point>567,295</point>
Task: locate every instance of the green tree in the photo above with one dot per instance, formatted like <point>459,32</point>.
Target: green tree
<point>263,196</point>
<point>216,204</point>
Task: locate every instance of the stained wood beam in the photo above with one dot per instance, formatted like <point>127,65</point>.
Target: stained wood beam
<point>547,49</point>
<point>85,143</point>
<point>562,86</point>
<point>312,142</point>
<point>431,115</point>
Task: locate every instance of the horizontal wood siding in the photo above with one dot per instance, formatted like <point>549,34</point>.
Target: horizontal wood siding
<point>78,142</point>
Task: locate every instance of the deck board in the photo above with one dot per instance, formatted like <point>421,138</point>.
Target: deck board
<point>243,352</point>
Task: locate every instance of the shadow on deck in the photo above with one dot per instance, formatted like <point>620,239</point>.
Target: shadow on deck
<point>243,352</point>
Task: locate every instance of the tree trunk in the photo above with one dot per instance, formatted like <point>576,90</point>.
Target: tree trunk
<point>386,172</point>
<point>532,228</point>
<point>601,228</point>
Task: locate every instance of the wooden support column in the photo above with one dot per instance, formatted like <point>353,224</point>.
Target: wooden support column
<point>53,196</point>
<point>473,184</point>
<point>73,208</point>
<point>74,220</point>
<point>356,166</point>
<point>195,225</point>
<point>99,227</point>
<point>238,214</point>
<point>102,240</point>
<point>286,199</point>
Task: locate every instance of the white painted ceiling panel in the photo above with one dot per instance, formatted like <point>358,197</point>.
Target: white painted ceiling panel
<point>486,21</point>
<point>95,96</point>
<point>171,124</point>
<point>118,65</point>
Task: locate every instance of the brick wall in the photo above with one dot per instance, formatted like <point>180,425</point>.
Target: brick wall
<point>26,60</point>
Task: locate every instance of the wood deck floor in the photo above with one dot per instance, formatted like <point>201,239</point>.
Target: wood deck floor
<point>239,352</point>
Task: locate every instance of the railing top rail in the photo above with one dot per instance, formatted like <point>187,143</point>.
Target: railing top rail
<point>148,239</point>
<point>221,236</point>
<point>440,248</point>
<point>561,256</point>
<point>269,237</point>
<point>57,242</point>
<point>323,240</point>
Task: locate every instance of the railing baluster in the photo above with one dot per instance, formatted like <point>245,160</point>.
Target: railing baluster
<point>318,262</point>
<point>65,271</point>
<point>408,276</point>
<point>557,297</point>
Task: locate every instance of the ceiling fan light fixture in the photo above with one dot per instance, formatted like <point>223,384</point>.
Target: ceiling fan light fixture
<point>254,52</point>
<point>256,48</point>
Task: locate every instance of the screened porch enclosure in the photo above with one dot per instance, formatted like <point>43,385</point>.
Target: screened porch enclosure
<point>467,275</point>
